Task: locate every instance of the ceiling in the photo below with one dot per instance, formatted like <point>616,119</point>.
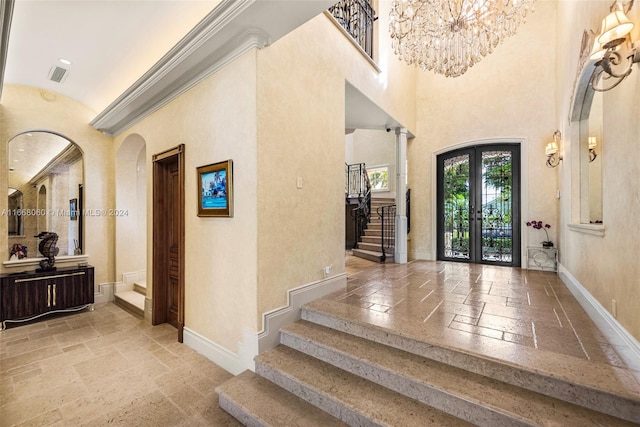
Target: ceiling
<point>130,57</point>
<point>31,153</point>
<point>110,44</point>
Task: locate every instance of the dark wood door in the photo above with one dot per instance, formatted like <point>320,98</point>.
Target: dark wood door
<point>173,243</point>
<point>168,239</point>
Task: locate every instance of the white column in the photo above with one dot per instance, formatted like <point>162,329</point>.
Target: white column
<point>400,256</point>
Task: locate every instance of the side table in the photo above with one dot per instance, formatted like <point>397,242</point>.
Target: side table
<point>539,258</point>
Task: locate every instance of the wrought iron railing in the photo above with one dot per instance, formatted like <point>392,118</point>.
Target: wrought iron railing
<point>356,17</point>
<point>387,216</point>
<point>357,180</point>
<point>408,201</point>
<point>361,216</point>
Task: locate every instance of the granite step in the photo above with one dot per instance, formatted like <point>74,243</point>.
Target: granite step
<point>378,233</point>
<point>131,301</point>
<point>371,255</point>
<point>613,391</point>
<point>350,398</point>
<point>140,286</point>
<point>373,247</point>
<point>255,401</point>
<point>376,240</point>
<point>475,398</point>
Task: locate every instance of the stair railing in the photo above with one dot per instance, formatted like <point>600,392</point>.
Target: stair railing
<point>408,201</point>
<point>357,180</point>
<point>356,17</point>
<point>361,216</point>
<point>387,216</point>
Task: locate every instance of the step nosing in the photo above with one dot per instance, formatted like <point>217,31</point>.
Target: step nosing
<point>337,386</point>
<point>548,382</point>
<point>427,385</point>
<point>469,353</point>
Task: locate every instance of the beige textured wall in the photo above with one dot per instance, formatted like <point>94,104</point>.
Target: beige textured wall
<point>216,121</point>
<point>25,108</point>
<point>301,119</point>
<point>608,267</point>
<point>508,95</point>
<point>376,148</point>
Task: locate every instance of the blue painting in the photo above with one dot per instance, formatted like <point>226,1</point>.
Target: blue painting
<point>214,190</point>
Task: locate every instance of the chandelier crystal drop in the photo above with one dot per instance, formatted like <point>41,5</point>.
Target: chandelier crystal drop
<point>449,36</point>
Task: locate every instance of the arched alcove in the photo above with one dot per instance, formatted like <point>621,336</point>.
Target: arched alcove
<point>131,202</point>
<point>589,140</point>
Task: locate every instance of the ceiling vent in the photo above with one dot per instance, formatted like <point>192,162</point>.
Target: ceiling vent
<point>58,74</point>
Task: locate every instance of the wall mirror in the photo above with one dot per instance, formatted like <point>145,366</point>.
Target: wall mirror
<point>591,155</point>
<point>45,181</point>
<point>587,109</point>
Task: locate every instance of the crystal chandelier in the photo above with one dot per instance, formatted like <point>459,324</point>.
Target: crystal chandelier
<point>449,36</point>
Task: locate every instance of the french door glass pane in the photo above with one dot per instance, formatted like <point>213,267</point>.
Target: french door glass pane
<point>456,207</point>
<point>497,184</point>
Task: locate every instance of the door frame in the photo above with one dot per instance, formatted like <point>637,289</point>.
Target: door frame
<point>159,246</point>
<point>524,189</point>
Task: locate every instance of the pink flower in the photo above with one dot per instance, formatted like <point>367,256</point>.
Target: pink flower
<point>539,225</point>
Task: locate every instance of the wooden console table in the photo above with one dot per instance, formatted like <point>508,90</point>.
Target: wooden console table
<point>30,295</point>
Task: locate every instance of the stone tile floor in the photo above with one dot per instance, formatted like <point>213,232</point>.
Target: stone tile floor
<point>108,367</point>
<point>105,367</point>
<point>527,309</point>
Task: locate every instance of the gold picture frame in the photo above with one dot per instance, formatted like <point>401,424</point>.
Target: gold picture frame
<point>215,189</point>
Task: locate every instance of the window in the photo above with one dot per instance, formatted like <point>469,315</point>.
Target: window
<point>379,178</point>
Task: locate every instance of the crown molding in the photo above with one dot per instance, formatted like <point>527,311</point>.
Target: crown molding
<point>6,14</point>
<point>231,29</point>
<point>195,57</point>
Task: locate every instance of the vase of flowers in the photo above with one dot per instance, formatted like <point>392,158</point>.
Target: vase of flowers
<point>538,225</point>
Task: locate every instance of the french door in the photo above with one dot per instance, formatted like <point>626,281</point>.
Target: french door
<point>479,204</point>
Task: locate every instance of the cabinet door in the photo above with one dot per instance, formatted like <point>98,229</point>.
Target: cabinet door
<point>24,298</point>
<point>74,289</point>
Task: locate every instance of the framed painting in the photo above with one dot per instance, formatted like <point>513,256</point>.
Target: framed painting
<point>215,189</point>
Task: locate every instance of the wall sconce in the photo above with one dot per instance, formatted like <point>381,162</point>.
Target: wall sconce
<point>552,149</point>
<point>592,148</point>
<point>613,48</point>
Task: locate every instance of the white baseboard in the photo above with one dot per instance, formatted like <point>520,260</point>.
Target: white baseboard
<point>148,306</point>
<point>273,320</point>
<point>626,345</point>
<point>421,255</point>
<point>122,287</point>
<point>219,355</point>
<point>105,293</point>
<point>255,343</point>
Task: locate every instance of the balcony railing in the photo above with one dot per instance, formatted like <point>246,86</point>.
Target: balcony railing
<point>356,17</point>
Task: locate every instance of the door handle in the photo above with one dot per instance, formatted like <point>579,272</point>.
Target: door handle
<point>54,295</point>
<point>48,295</point>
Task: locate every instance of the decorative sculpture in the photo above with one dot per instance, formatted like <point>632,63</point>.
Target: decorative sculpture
<point>48,249</point>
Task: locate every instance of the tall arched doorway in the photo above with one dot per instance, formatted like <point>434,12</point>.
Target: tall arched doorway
<point>131,205</point>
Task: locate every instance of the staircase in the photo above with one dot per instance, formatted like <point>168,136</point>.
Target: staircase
<point>335,368</point>
<point>369,245</point>
<point>130,296</point>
